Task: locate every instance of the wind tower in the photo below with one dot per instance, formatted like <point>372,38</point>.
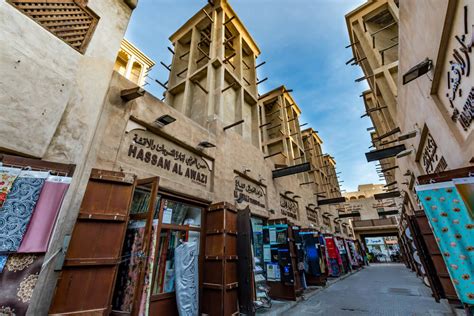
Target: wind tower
<point>213,71</point>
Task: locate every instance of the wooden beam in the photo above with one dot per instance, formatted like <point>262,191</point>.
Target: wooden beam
<point>233,124</point>
<point>131,94</point>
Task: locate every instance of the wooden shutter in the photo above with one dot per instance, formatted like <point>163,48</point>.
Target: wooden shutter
<point>219,294</point>
<point>436,257</point>
<point>70,20</point>
<point>87,280</point>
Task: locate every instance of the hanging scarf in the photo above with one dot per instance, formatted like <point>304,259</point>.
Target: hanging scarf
<point>453,228</point>
<point>42,222</point>
<point>18,207</point>
<point>7,177</point>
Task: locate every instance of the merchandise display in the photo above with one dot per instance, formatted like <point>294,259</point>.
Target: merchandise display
<point>186,279</point>
<point>453,224</point>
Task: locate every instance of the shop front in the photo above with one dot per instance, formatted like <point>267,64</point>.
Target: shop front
<point>144,211</point>
<point>31,195</point>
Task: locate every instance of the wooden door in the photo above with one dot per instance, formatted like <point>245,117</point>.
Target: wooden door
<point>141,214</point>
<point>87,279</point>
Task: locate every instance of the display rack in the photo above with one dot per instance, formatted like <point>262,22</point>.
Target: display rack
<point>281,260</point>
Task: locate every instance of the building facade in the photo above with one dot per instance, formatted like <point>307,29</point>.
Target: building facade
<point>420,104</point>
<point>132,63</point>
<point>372,216</point>
<point>151,170</point>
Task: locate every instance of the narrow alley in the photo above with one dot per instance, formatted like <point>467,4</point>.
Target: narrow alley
<point>380,289</point>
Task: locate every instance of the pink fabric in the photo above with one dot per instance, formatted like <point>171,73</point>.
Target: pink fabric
<point>44,216</point>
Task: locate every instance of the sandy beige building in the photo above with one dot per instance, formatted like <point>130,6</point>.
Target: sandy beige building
<point>132,63</point>
<point>416,57</point>
<point>209,143</point>
<point>372,216</point>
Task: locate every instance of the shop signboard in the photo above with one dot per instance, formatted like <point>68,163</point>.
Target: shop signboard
<point>456,90</point>
<point>157,154</point>
<point>289,207</point>
<point>249,193</point>
<point>374,241</point>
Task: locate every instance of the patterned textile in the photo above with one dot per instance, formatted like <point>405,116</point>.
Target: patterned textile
<point>335,268</point>
<point>16,211</point>
<point>3,261</point>
<point>44,217</point>
<point>453,228</point>
<point>129,271</point>
<point>145,300</point>
<point>187,278</point>
<point>351,251</point>
<point>7,177</point>
<point>334,258</point>
<point>18,281</point>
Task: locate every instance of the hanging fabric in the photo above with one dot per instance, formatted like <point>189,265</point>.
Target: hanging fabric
<point>128,273</point>
<point>145,300</point>
<point>453,227</point>
<point>18,281</point>
<point>44,216</point>
<point>7,177</point>
<point>3,261</point>
<point>18,207</point>
<point>187,278</point>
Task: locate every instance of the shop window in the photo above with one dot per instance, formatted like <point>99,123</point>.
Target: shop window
<point>69,20</point>
<point>178,213</point>
<point>165,271</point>
<point>179,222</point>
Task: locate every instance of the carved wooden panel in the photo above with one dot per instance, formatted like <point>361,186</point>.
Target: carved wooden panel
<point>70,20</point>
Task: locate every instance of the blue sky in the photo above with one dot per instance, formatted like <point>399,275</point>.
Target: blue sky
<point>303,43</point>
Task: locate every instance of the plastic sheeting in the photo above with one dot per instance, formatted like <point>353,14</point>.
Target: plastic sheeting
<point>187,278</point>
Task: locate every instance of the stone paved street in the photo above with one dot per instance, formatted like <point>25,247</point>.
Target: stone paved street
<point>383,289</point>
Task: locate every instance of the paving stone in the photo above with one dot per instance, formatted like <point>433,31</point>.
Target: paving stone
<point>382,289</point>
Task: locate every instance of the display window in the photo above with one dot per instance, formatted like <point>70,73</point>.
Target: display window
<point>159,227</point>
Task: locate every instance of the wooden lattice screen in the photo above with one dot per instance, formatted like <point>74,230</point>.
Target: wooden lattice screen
<point>70,20</point>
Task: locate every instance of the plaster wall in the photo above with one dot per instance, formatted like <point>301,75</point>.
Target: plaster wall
<point>416,104</point>
<point>233,153</point>
<point>51,98</point>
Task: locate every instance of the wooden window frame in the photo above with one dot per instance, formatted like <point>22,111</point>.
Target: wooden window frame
<point>161,226</point>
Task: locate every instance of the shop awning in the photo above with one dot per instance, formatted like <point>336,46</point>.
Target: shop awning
<point>332,201</point>
<point>283,172</point>
<point>389,212</point>
<point>387,195</point>
<point>349,215</point>
<point>384,153</point>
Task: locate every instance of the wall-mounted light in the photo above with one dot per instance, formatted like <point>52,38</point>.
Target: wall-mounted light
<point>164,120</point>
<point>418,71</point>
<point>205,144</point>
<point>405,153</point>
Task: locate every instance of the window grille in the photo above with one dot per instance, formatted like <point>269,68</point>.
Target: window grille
<point>70,20</point>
